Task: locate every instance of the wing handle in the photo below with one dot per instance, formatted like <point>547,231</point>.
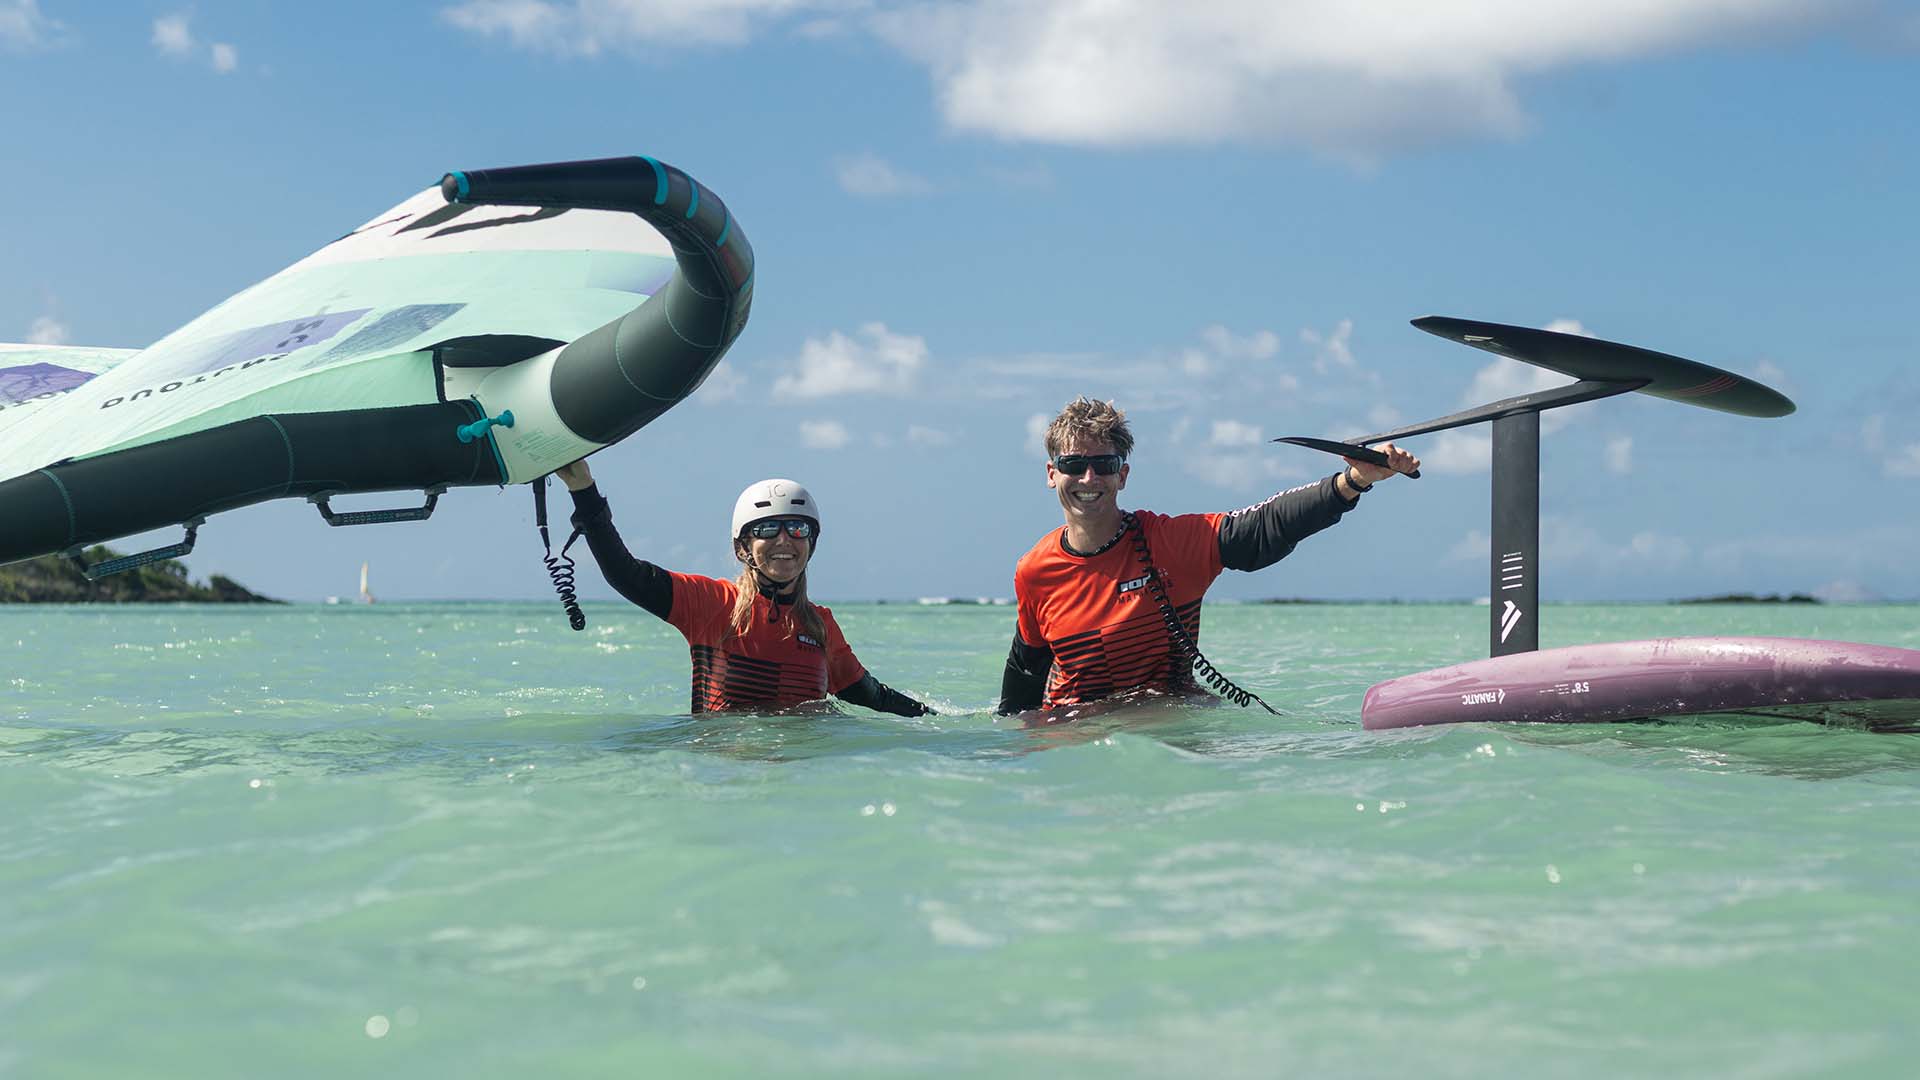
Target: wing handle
<point>133,562</point>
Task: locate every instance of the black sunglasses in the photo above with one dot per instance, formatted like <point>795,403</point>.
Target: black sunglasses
<point>798,528</point>
<point>1076,464</point>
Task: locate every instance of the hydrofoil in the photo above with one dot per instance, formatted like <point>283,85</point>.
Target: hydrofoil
<point>1832,682</point>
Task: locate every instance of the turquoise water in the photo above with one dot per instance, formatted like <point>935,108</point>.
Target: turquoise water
<point>462,839</point>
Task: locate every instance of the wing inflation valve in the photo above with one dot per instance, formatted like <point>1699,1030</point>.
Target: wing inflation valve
<point>469,432</point>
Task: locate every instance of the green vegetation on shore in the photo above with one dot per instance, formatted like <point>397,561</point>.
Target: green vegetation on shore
<point>51,579</point>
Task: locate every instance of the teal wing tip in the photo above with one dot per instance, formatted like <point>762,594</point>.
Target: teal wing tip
<point>454,187</point>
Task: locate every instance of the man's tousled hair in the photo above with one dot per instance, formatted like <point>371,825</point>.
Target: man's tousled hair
<point>1088,421</point>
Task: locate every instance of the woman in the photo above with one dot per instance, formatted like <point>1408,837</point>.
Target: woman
<point>757,642</point>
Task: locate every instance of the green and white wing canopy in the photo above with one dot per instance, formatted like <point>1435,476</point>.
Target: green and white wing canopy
<point>352,326</point>
<point>34,377</point>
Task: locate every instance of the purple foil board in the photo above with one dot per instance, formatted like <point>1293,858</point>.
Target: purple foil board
<point>1829,682</point>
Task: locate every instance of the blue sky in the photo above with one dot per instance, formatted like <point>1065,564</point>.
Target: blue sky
<point>1220,215</point>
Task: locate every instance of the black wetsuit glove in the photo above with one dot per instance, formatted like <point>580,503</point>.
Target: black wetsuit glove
<point>873,694</point>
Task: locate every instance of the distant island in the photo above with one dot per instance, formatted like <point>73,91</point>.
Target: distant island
<point>1750,598</point>
<point>51,579</point>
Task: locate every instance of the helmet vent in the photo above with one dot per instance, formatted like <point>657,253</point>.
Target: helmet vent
<point>763,504</point>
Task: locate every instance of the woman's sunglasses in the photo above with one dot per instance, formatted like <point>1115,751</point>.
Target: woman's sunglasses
<point>798,528</point>
<point>1076,464</point>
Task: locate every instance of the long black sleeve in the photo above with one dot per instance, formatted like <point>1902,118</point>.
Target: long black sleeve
<point>1259,536</point>
<point>1023,685</point>
<point>636,579</point>
<point>869,692</point>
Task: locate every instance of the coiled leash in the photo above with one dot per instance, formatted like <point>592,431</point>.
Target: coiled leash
<point>559,568</point>
<point>1222,685</point>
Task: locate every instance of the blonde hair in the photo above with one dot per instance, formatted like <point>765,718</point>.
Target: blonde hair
<point>1087,421</point>
<point>804,615</point>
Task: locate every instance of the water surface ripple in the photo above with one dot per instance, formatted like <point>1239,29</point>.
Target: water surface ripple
<point>440,840</point>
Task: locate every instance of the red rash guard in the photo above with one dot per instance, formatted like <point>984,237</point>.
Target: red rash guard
<point>774,664</point>
<point>1089,625</point>
<point>1098,615</point>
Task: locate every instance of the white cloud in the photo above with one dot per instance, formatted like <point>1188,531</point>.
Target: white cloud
<point>1353,80</point>
<point>171,35</point>
<point>1241,471</point>
<point>1217,343</point>
<point>1896,461</point>
<point>921,435</point>
<point>1506,378</point>
<point>1619,455</point>
<point>1037,426</point>
<point>1259,345</point>
<point>824,434</point>
<point>1470,449</point>
<point>873,176</point>
<point>1383,417</point>
<point>1771,374</point>
<point>874,361</point>
<point>23,27</point>
<point>1234,433</point>
<point>1458,450</point>
<point>723,383</point>
<point>47,330</point>
<point>1476,546</point>
<point>588,27</point>
<point>1333,350</point>
<point>527,23</point>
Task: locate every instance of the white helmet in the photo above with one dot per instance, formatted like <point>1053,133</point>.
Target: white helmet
<point>774,498</point>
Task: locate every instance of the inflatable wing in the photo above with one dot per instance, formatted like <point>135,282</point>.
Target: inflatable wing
<point>34,376</point>
<point>486,331</point>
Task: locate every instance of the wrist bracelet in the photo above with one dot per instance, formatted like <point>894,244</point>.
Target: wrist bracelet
<point>1356,485</point>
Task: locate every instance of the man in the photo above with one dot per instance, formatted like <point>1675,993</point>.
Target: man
<point>1094,597</point>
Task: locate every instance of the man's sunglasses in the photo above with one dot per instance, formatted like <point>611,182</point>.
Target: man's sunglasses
<point>798,528</point>
<point>1076,464</point>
